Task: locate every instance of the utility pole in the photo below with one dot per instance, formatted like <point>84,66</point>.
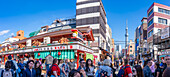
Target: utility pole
<point>126,39</point>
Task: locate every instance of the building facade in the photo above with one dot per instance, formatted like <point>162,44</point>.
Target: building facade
<point>162,40</point>
<point>143,38</point>
<point>137,42</point>
<point>92,13</point>
<point>60,41</point>
<point>158,17</point>
<point>131,49</point>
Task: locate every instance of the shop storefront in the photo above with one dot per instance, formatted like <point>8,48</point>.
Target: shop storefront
<point>163,53</point>
<point>61,44</point>
<point>73,50</point>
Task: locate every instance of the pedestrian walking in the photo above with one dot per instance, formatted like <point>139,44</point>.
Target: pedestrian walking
<point>105,70</point>
<point>89,68</point>
<point>98,72</point>
<point>81,68</point>
<point>167,60</point>
<point>72,64</point>
<point>30,58</point>
<point>158,71</point>
<point>166,72</point>
<point>138,71</point>
<point>146,70</point>
<point>75,73</point>
<point>113,70</point>
<point>55,70</point>
<point>40,61</point>
<point>140,63</point>
<point>21,65</point>
<point>7,72</point>
<point>14,66</point>
<point>37,68</point>
<point>65,69</point>
<point>125,70</point>
<point>152,67</point>
<point>30,72</point>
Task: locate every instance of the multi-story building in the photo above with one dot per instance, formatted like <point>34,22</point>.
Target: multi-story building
<point>113,45</point>
<point>113,50</point>
<point>92,13</point>
<point>143,37</point>
<point>61,40</point>
<point>158,17</point>
<point>9,41</point>
<point>162,40</point>
<point>137,42</point>
<point>131,49</point>
<point>108,38</point>
<point>118,50</point>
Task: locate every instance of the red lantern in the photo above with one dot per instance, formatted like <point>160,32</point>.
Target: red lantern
<point>38,54</point>
<point>26,54</point>
<point>17,54</point>
<point>59,53</point>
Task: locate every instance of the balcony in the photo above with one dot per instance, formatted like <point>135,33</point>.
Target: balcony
<point>42,45</point>
<point>157,40</point>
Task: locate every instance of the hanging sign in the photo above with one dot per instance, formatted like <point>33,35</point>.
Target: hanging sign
<point>85,49</point>
<point>165,33</point>
<point>49,59</point>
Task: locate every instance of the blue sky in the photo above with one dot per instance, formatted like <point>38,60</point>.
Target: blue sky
<point>30,15</point>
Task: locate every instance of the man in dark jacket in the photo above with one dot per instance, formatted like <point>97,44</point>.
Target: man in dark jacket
<point>30,72</point>
<point>146,70</point>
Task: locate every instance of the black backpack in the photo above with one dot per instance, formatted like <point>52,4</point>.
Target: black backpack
<point>12,65</point>
<point>104,73</point>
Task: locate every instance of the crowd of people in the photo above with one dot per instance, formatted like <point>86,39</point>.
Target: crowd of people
<point>67,68</point>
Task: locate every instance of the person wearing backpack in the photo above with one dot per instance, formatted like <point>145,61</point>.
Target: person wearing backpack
<point>125,70</point>
<point>14,66</point>
<point>54,70</point>
<point>105,70</point>
<point>7,72</point>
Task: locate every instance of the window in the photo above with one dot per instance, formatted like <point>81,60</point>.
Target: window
<point>162,21</point>
<point>150,12</point>
<point>130,46</point>
<point>164,11</point>
<point>150,33</point>
<point>150,22</point>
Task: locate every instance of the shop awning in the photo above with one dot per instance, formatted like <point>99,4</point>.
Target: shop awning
<point>65,54</point>
<point>42,54</point>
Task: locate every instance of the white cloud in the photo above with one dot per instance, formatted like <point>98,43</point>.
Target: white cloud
<point>4,32</point>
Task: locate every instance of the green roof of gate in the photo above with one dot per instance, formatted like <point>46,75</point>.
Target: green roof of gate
<point>34,33</point>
